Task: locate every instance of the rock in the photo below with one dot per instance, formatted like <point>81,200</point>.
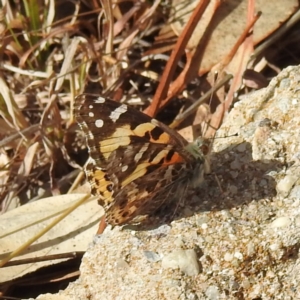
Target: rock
<point>242,239</point>
<point>185,260</point>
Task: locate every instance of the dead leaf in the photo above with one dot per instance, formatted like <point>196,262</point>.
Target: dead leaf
<point>74,233</point>
<point>229,22</point>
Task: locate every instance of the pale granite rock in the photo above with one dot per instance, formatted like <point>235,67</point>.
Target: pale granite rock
<point>244,234</point>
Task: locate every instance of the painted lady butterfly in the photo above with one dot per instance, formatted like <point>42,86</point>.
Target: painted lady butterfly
<point>137,165</point>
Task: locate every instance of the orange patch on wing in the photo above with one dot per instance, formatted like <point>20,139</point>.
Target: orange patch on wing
<point>140,130</point>
<point>175,159</point>
<point>141,168</point>
<point>100,183</point>
<point>121,137</point>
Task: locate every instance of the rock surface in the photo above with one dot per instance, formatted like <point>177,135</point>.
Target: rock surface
<point>241,240</point>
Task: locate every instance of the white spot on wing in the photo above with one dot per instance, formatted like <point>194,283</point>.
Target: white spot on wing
<point>100,100</point>
<point>139,155</point>
<point>91,161</point>
<point>90,136</point>
<point>99,123</point>
<point>91,114</point>
<point>115,115</point>
<point>91,106</point>
<point>124,168</point>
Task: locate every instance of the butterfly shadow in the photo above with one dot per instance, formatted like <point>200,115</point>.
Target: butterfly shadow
<point>235,180</point>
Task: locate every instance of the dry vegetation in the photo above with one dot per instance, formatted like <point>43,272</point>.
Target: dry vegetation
<point>52,51</point>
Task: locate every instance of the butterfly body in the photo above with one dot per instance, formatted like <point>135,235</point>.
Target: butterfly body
<point>137,165</point>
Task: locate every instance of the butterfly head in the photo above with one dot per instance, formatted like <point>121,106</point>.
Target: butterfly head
<point>200,150</point>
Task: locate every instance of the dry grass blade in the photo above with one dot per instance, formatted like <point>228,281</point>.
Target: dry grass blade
<point>179,118</point>
<point>276,36</point>
<point>243,59</point>
<point>143,22</point>
<point>9,109</point>
<point>18,262</point>
<point>24,132</point>
<point>162,89</point>
<point>41,233</point>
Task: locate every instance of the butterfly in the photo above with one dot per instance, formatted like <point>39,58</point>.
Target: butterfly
<point>137,165</point>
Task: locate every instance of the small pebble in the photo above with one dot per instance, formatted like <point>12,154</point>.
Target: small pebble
<point>185,260</point>
<point>280,222</point>
<point>152,256</point>
<point>212,292</point>
<point>285,185</point>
